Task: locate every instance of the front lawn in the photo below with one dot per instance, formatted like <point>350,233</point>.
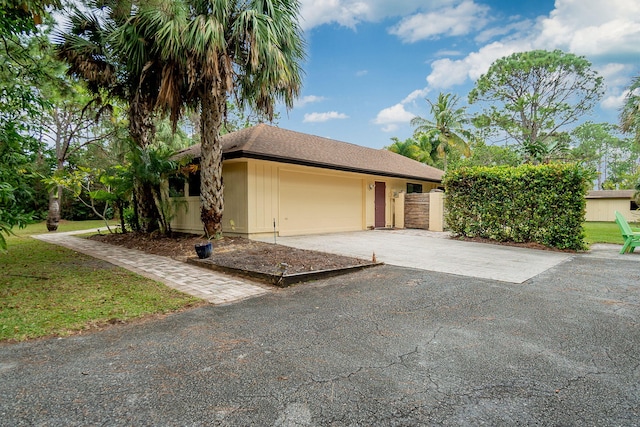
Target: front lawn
<point>603,232</point>
<point>50,290</point>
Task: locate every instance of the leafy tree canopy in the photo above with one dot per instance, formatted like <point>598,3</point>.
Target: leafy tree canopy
<point>630,114</point>
<point>24,65</point>
<point>446,128</point>
<point>532,95</point>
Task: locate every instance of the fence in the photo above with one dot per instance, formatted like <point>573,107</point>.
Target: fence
<point>420,210</point>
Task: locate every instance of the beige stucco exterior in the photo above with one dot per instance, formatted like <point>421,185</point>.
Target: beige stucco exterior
<point>603,209</point>
<point>300,199</point>
<point>436,211</point>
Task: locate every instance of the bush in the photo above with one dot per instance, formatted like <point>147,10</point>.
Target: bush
<point>543,204</point>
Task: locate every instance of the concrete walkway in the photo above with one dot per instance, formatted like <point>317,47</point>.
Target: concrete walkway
<point>432,251</point>
<point>217,288</point>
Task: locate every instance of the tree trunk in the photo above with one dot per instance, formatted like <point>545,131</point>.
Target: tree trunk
<point>135,226</point>
<point>146,208</point>
<point>123,225</point>
<point>211,185</point>
<point>53,216</point>
<point>142,131</point>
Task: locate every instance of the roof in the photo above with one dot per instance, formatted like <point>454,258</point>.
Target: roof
<point>272,143</point>
<point>611,194</point>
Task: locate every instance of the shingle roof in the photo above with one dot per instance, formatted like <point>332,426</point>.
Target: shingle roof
<point>271,143</point>
<point>610,194</point>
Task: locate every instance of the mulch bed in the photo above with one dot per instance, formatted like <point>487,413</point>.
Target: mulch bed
<point>236,253</point>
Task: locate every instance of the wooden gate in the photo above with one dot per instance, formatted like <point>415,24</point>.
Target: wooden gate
<point>416,210</point>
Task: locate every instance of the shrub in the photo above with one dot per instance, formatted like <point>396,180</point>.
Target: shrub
<point>527,203</point>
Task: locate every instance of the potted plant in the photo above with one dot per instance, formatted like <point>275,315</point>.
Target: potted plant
<point>204,250</point>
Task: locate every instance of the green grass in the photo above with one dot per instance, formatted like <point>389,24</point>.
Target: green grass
<point>64,226</point>
<point>602,232</point>
<point>47,290</point>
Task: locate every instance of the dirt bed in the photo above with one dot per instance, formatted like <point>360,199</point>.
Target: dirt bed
<point>235,252</point>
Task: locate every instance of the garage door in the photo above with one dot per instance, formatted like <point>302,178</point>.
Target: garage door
<point>311,203</point>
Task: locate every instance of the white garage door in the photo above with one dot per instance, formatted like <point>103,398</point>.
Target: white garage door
<point>311,203</point>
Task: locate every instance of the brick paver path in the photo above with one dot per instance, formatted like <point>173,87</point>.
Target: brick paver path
<point>217,288</point>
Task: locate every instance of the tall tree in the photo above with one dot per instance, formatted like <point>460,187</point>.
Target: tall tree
<point>21,72</point>
<point>446,128</point>
<point>419,148</point>
<point>108,47</point>
<point>534,94</point>
<point>71,124</point>
<point>213,49</point>
<point>483,154</point>
<point>630,114</point>
<point>407,148</point>
<point>596,145</point>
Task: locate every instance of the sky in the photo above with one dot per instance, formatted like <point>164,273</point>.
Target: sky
<point>371,64</point>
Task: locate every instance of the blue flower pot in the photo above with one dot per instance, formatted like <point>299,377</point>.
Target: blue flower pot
<point>204,250</point>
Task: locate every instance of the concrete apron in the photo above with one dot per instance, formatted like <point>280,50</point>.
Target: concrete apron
<point>434,252</point>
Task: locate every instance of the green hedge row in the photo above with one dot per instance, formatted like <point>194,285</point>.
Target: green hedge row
<point>527,203</point>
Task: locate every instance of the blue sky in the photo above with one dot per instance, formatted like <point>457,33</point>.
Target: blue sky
<point>372,63</point>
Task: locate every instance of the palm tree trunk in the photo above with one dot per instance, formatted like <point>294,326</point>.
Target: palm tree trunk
<point>142,131</point>
<point>211,185</point>
<point>146,208</point>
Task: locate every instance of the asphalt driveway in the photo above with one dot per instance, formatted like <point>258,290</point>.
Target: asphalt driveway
<point>384,346</point>
<point>431,251</point>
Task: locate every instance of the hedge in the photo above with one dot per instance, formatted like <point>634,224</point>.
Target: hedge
<point>542,203</point>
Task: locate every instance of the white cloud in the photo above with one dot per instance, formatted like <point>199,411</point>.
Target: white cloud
<point>362,73</point>
<point>446,72</point>
<point>323,117</point>
<point>592,27</point>
<point>448,52</point>
<point>390,118</point>
<point>519,27</point>
<point>349,13</point>
<point>309,99</point>
<point>451,21</point>
<point>616,74</point>
<point>614,102</point>
<point>393,115</point>
<point>419,93</point>
<point>607,33</point>
<point>586,27</point>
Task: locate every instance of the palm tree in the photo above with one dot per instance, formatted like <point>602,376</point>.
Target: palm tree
<point>446,128</point>
<point>630,114</point>
<point>214,49</point>
<point>407,148</point>
<point>428,153</point>
<point>108,48</point>
<point>421,150</point>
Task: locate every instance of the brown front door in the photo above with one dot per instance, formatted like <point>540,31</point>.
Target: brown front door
<point>381,191</point>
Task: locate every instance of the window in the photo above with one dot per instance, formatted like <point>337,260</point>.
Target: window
<point>633,205</point>
<point>176,186</point>
<point>414,188</point>
<point>194,184</point>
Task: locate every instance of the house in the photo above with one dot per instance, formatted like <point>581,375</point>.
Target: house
<point>291,183</point>
<point>601,205</point>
